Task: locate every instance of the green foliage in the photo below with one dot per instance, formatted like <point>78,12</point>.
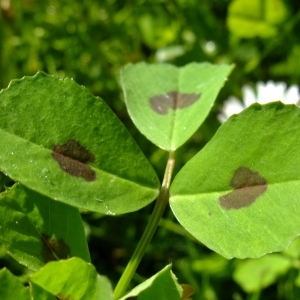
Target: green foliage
<point>11,287</point>
<point>90,41</point>
<point>163,285</point>
<point>76,140</point>
<point>238,181</point>
<point>251,18</point>
<point>160,98</point>
<point>254,275</point>
<point>39,293</point>
<point>234,221</point>
<point>64,279</point>
<point>35,229</point>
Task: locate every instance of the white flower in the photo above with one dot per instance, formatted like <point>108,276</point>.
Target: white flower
<point>265,93</point>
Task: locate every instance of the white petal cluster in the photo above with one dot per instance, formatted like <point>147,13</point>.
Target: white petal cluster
<point>264,93</point>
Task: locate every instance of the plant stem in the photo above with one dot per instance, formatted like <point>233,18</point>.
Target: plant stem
<point>161,202</point>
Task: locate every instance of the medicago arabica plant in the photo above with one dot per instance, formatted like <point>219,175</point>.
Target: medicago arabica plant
<point>66,151</point>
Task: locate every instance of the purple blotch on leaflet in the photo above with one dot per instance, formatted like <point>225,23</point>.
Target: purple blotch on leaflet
<point>54,249</point>
<point>72,158</point>
<point>172,100</point>
<point>248,186</point>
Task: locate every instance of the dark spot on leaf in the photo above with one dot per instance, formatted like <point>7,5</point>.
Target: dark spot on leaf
<point>132,298</point>
<point>172,100</point>
<point>54,249</point>
<point>74,167</point>
<point>74,150</point>
<point>72,158</point>
<point>248,186</point>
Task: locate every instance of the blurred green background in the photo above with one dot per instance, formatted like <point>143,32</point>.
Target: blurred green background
<point>90,41</point>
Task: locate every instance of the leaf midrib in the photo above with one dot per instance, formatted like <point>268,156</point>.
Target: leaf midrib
<point>230,190</point>
<point>174,113</point>
<point>25,141</point>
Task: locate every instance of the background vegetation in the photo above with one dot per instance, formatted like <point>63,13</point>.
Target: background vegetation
<point>90,41</point>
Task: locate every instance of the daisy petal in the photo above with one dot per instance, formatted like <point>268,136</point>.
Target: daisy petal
<point>291,95</point>
<point>222,118</point>
<point>248,95</point>
<point>262,94</point>
<point>278,92</point>
<point>265,93</point>
<point>230,107</point>
<point>271,92</point>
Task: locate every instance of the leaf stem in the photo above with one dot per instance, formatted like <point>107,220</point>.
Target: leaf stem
<point>161,202</point>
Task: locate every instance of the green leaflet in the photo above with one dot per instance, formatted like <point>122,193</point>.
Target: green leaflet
<point>167,103</point>
<point>251,18</point>
<point>35,229</point>
<point>254,275</point>
<point>37,293</point>
<point>63,142</point>
<point>163,286</point>
<point>238,195</point>
<point>11,288</point>
<point>73,279</point>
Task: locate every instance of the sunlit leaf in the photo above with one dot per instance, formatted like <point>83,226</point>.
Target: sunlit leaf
<point>11,288</point>
<point>239,194</point>
<point>35,229</point>
<point>167,103</point>
<point>63,142</point>
<point>157,30</point>
<point>212,264</point>
<point>290,66</point>
<point>293,250</point>
<point>251,18</point>
<point>163,286</point>
<point>254,275</point>
<point>73,279</point>
<point>38,293</point>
